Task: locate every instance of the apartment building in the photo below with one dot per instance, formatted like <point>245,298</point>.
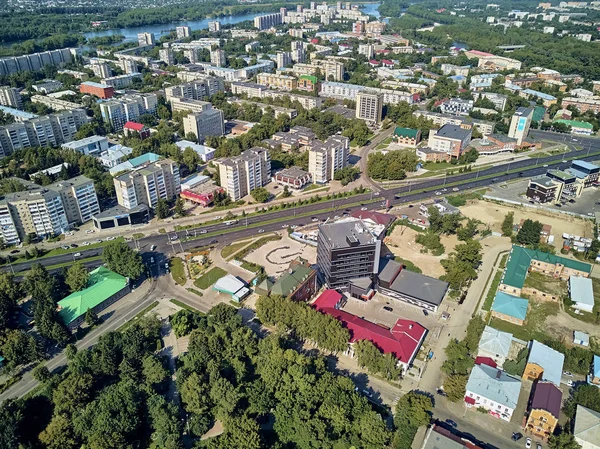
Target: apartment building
<point>306,101</point>
<point>183,31</point>
<point>146,39</point>
<point>93,145</point>
<point>56,103</point>
<point>99,90</point>
<point>36,61</point>
<point>452,69</point>
<point>264,107</point>
<point>492,63</point>
<point>148,183</point>
<point>369,107</point>
<point>543,409</point>
<point>283,59</point>
<point>218,58</point>
<point>37,211</point>
<point>101,69</point>
<point>166,55</point>
<point>252,90</point>
<point>10,96</point>
<point>277,81</point>
<point>298,51</point>
<point>241,174</point>
<point>79,199</point>
<point>209,122</point>
<point>582,104</point>
<point>128,65</point>
<point>493,390</point>
<point>189,105</point>
<point>128,108</point>
<point>342,91</point>
<point>268,21</point>
<point>457,106</point>
<point>202,87</point>
<point>498,100</point>
<point>325,158</point>
<point>520,124</point>
<point>450,139</point>
<point>49,130</point>
<point>214,26</point>
<point>484,127</point>
<point>333,70</point>
<point>346,251</point>
<point>121,81</point>
<point>367,50</point>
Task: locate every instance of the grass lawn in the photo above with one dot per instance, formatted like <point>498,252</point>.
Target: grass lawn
<point>59,251</point>
<point>503,261</point>
<point>194,291</point>
<point>408,264</point>
<point>209,278</point>
<point>534,327</point>
<point>489,299</point>
<point>314,187</point>
<point>185,306</point>
<point>138,235</point>
<point>436,166</point>
<point>546,284</point>
<point>229,250</point>
<point>178,270</point>
<point>138,316</point>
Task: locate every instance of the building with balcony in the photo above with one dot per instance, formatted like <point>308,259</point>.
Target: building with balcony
<point>325,158</point>
<point>241,174</point>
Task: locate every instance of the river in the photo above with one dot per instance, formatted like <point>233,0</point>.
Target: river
<point>165,28</point>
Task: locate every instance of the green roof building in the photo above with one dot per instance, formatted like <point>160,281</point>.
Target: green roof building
<point>538,114</point>
<point>577,127</point>
<point>510,308</point>
<point>104,288</point>
<point>407,135</point>
<point>311,78</point>
<point>521,260</point>
<point>298,283</point>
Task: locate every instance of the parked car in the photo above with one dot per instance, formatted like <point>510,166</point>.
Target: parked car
<point>568,374</point>
<point>204,231</point>
<point>451,423</point>
<point>388,308</point>
<point>438,193</point>
<point>441,392</point>
<point>538,445</point>
<point>260,231</point>
<point>65,247</point>
<point>214,241</point>
<point>455,189</point>
<point>85,244</point>
<point>425,312</point>
<point>313,219</point>
<point>516,436</point>
<point>153,247</point>
<point>570,383</point>
<point>528,443</point>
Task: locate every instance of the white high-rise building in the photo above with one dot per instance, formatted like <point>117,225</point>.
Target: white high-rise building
<point>241,174</point>
<point>183,32</point>
<point>214,26</point>
<point>520,124</point>
<point>10,96</point>
<point>217,58</point>
<point>324,159</point>
<point>369,107</point>
<point>368,50</point>
<point>146,39</point>
<point>284,59</point>
<point>167,56</point>
<point>209,122</point>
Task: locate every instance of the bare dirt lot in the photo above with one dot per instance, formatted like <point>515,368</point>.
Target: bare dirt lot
<point>276,256</point>
<point>493,214</point>
<point>402,243</point>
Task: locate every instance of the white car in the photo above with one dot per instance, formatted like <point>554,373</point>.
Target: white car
<point>77,255</point>
<point>85,244</point>
<point>98,241</point>
<point>204,231</point>
<point>364,208</point>
<point>90,231</point>
<point>65,247</point>
<point>260,231</point>
<point>153,247</point>
<point>109,239</point>
<point>218,217</point>
<point>314,219</point>
<point>376,194</point>
<point>438,193</point>
<point>284,226</point>
<point>455,189</point>
<point>528,443</point>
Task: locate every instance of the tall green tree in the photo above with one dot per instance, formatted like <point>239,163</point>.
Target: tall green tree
<point>161,209</point>
<point>77,277</point>
<point>122,259</point>
<point>507,224</point>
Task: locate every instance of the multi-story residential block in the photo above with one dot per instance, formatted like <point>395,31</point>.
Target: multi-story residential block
<point>121,81</point>
<point>218,58</point>
<point>252,46</point>
<point>582,104</point>
<point>8,229</point>
<point>203,86</point>
<point>264,107</point>
<point>146,39</point>
<point>49,130</point>
<point>298,52</point>
<point>283,59</point>
<point>128,65</point>
<point>209,122</point>
<point>187,104</point>
<point>369,106</point>
<point>90,145</point>
<point>252,90</point>
<point>214,26</point>
<point>166,55</point>
<point>343,91</point>
<point>56,103</point>
<point>346,251</point>
<point>268,21</point>
<point>543,409</point>
<point>367,50</point>
<point>325,158</point>
<point>498,100</point>
<point>128,108</point>
<point>99,90</point>
<point>493,390</point>
<point>452,69</point>
<point>457,106</point>
<point>47,86</point>
<point>520,124</point>
<point>241,174</point>
<point>148,183</point>
<point>36,61</point>
<point>482,126</point>
<point>375,28</point>
<point>307,83</point>
<point>450,139</point>
<point>101,69</point>
<point>10,96</point>
<point>184,31</point>
<point>79,199</point>
<point>277,81</point>
<point>306,101</point>
<point>74,73</point>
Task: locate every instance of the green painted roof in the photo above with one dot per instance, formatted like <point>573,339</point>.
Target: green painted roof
<point>510,305</point>
<point>289,281</point>
<point>311,78</point>
<point>538,113</point>
<point>102,284</point>
<point>406,132</point>
<point>575,124</point>
<point>520,259</point>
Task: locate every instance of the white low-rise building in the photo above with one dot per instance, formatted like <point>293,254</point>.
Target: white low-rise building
<point>493,390</point>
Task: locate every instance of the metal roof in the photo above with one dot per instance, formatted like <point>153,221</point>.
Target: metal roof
<point>102,284</point>
<point>510,305</point>
<point>495,341</point>
<point>550,360</point>
<point>581,290</point>
<point>587,425</point>
<point>419,286</point>
<point>547,396</point>
<point>495,385</point>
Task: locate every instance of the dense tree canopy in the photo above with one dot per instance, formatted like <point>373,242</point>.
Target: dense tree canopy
<point>122,259</point>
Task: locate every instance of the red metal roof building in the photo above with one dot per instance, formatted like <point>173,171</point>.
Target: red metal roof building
<point>134,127</point>
<point>204,199</point>
<point>486,361</point>
<point>403,340</point>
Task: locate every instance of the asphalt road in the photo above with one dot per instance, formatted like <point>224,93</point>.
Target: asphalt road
<point>249,226</point>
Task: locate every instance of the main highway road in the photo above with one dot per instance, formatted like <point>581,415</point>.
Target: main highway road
<point>416,191</point>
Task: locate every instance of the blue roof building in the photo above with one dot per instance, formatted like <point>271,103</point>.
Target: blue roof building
<point>581,291</point>
<point>510,308</point>
<point>594,377</point>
